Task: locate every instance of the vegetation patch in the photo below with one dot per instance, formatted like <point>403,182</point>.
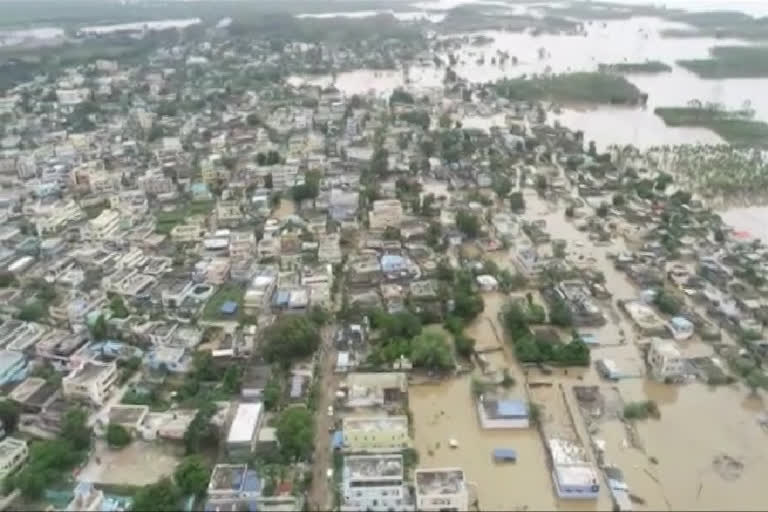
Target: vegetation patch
<point>734,127</point>
<point>642,410</point>
<point>229,292</point>
<point>731,62</point>
<point>581,87</point>
<point>651,66</point>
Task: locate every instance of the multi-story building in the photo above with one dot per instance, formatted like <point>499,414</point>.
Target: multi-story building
<point>375,434</point>
<point>13,453</point>
<point>374,482</point>
<point>244,430</point>
<point>665,360</point>
<point>54,218</point>
<point>105,226</point>
<point>441,489</point>
<point>90,381</point>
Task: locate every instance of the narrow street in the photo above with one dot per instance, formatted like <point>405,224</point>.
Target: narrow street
<point>320,496</point>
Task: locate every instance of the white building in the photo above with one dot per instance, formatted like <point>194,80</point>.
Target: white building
<point>13,453</point>
<point>105,226</point>
<point>90,380</point>
<point>375,483</point>
<point>386,213</point>
<point>441,489</point>
<point>244,430</point>
<point>665,360</point>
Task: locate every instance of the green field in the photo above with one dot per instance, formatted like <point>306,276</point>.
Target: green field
<point>228,292</point>
<point>731,62</point>
<point>165,221</point>
<point>733,129</point>
<point>598,88</point>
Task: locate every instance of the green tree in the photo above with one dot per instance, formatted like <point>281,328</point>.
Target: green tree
<point>502,186</point>
<point>468,224</point>
<point>430,350</point>
<point>465,345</point>
<point>200,433</point>
<point>618,200</point>
<point>559,313</point>
<point>602,210</point>
<point>32,311</point>
<point>118,307</point>
<point>517,202</point>
<point>9,415</point>
<point>192,475</point>
<point>7,279</point>
<point>290,337</point>
<point>99,329</point>
<point>161,496</point>
<point>272,393</point>
<point>295,433</point>
<point>75,429</point>
<point>118,436</point>
<point>667,303</point>
<point>232,380</point>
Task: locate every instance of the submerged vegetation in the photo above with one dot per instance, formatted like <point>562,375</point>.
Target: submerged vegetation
<point>734,127</point>
<point>731,62</point>
<point>581,87</point>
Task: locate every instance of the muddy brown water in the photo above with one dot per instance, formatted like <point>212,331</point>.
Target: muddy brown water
<point>710,451</point>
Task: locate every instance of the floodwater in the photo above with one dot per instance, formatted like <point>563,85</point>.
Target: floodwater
<point>636,39</point>
<point>710,451</point>
<point>400,15</point>
<point>751,219</point>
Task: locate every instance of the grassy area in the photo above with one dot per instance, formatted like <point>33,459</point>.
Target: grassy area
<point>651,66</point>
<point>227,292</point>
<point>579,87</point>
<point>731,62</point>
<point>736,131</point>
<point>165,221</point>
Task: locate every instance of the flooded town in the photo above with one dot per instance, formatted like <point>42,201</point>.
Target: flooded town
<point>379,256</point>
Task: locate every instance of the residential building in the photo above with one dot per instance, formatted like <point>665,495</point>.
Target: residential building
<point>105,226</point>
<point>499,414</point>
<point>442,489</point>
<point>375,390</point>
<point>233,487</point>
<point>184,233</point>
<point>13,453</point>
<point>375,434</point>
<point>385,213</point>
<point>90,381</point>
<point>87,499</point>
<point>375,483</point>
<point>12,365</point>
<point>244,430</point>
<point>665,360</point>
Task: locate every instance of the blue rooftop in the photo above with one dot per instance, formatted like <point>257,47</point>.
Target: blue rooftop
<point>681,323</point>
<point>228,307</point>
<point>511,409</point>
<point>505,453</point>
<point>338,439</point>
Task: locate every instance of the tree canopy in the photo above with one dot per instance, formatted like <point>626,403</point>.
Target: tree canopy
<point>290,337</point>
<point>161,496</point>
<point>118,436</point>
<point>295,433</point>
<point>430,350</point>
<point>192,475</point>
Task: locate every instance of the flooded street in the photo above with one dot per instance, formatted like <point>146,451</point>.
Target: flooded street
<point>707,450</point>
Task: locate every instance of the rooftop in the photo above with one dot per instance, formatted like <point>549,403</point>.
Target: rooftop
<point>373,467</point>
<point>439,481</point>
<point>375,423</point>
<point>245,422</point>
